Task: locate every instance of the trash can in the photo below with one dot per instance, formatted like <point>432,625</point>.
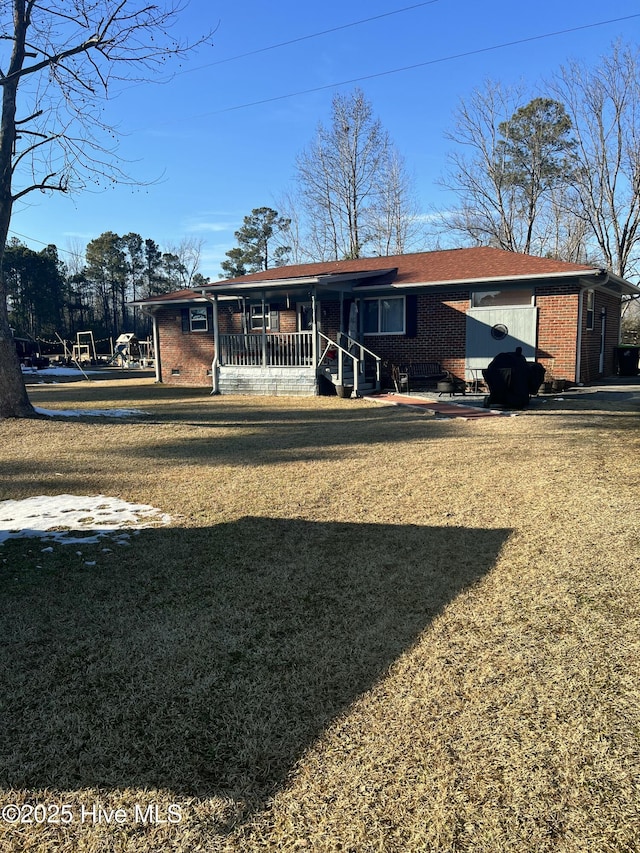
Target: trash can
<point>627,360</point>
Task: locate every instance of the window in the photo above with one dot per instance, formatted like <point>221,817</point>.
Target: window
<point>590,310</point>
<point>502,298</point>
<point>384,316</point>
<point>257,319</point>
<point>198,320</point>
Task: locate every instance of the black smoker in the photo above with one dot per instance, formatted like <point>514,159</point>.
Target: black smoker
<point>512,380</point>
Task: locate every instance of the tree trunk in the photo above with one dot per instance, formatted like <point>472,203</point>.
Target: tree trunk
<point>14,402</point>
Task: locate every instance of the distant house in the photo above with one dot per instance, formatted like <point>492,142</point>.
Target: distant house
<point>292,330</point>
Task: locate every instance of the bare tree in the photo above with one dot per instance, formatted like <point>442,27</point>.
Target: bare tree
<point>188,252</point>
<point>564,234</point>
<point>512,172</point>
<point>604,105</point>
<point>394,222</point>
<point>487,210</point>
<point>289,204</point>
<point>352,184</point>
<point>58,63</point>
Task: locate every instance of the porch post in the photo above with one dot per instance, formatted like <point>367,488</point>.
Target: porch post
<point>314,330</point>
<point>216,345</point>
<point>339,337</point>
<point>264,330</point>
<point>156,347</point>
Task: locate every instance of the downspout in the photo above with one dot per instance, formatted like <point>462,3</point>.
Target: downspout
<point>156,342</point>
<point>580,324</point>
<point>215,378</point>
<point>579,337</point>
<point>340,340</point>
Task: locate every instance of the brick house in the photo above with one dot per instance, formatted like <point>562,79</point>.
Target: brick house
<point>292,329</point>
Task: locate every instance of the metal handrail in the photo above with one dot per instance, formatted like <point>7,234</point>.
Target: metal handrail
<point>363,349</point>
<point>331,344</point>
<point>358,360</point>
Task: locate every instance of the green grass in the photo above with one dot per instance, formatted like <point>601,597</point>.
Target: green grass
<point>364,630</point>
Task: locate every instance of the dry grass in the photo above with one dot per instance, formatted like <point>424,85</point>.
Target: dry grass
<point>366,630</point>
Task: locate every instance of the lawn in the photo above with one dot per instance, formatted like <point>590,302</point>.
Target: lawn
<point>365,629</point>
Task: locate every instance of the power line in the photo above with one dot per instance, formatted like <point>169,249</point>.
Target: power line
<point>424,64</point>
<point>374,76</point>
<point>41,242</point>
<point>310,36</point>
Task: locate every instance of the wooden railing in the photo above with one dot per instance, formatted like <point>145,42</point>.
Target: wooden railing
<point>348,360</point>
<point>276,349</point>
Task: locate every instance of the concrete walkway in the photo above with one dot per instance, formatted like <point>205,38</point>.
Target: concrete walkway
<point>440,408</point>
<point>616,393</point>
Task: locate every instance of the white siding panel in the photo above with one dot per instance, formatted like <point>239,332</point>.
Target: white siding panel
<point>482,346</point>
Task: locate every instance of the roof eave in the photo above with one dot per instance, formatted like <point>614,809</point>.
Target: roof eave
<point>459,282</point>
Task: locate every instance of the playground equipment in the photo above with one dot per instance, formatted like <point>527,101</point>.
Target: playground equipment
<point>126,350</point>
<point>147,354</point>
<point>84,349</point>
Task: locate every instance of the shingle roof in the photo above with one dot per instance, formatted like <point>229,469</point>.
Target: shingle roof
<point>424,267</point>
<point>186,295</point>
<point>441,267</point>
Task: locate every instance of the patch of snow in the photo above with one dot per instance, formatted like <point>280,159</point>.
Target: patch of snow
<point>78,413</point>
<point>59,518</point>
<point>57,371</point>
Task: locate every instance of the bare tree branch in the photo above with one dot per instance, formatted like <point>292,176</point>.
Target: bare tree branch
<point>64,56</point>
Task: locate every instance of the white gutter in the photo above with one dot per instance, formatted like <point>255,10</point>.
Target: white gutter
<point>215,379</point>
<point>483,280</point>
<point>583,290</point>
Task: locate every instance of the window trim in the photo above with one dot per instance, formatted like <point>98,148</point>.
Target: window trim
<point>590,310</point>
<point>202,311</point>
<point>476,293</point>
<point>255,312</point>
<point>379,300</point>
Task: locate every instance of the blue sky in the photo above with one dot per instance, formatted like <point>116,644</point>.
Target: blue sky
<point>213,158</point>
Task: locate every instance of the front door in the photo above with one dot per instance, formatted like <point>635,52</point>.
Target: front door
<point>494,330</point>
<point>305,317</point>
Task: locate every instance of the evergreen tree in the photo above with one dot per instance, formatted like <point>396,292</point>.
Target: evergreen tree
<point>259,243</point>
<point>107,270</point>
<point>512,174</point>
<point>35,286</point>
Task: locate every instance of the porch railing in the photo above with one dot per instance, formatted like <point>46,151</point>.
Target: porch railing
<point>348,360</point>
<point>276,349</point>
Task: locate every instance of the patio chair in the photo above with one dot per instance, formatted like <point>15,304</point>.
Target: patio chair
<point>400,379</point>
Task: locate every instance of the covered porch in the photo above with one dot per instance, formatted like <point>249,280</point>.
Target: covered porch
<point>324,350</point>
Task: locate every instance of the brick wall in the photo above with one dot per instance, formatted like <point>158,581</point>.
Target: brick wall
<point>591,338</point>
<point>557,330</point>
<point>185,357</point>
<point>558,317</point>
<point>440,334</point>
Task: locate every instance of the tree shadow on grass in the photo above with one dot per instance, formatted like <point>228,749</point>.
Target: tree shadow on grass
<point>206,661</point>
